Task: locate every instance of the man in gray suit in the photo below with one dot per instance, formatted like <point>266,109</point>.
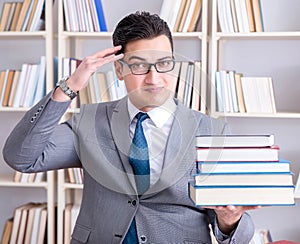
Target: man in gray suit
<point>98,139</point>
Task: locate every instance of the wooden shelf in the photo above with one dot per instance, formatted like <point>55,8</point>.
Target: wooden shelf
<point>282,115</point>
<point>7,181</point>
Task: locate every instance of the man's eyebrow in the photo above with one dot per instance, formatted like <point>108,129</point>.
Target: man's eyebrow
<point>144,59</point>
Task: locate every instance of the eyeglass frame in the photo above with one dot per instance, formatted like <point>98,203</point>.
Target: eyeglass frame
<point>149,67</point>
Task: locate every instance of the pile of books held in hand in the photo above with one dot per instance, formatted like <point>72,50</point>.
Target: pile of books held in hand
<point>240,170</point>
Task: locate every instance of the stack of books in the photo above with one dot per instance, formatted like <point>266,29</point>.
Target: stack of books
<point>240,170</point>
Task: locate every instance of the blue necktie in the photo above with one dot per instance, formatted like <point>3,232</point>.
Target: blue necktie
<point>139,160</point>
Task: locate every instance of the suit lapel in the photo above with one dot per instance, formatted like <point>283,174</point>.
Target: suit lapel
<point>120,131</point>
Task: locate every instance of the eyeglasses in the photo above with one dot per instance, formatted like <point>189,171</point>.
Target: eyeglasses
<point>143,68</point>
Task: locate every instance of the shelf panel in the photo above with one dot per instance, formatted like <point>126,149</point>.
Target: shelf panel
<point>258,115</point>
<point>12,109</point>
<point>23,34</point>
<point>6,181</point>
<point>72,186</point>
<point>109,34</point>
<point>259,35</point>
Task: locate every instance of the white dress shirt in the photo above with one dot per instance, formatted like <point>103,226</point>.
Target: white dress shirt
<point>156,130</point>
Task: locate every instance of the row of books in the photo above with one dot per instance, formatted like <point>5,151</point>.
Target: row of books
<point>23,88</point>
<point>28,225</point>
<point>22,16</point>
<point>187,83</point>
<point>182,15</point>
<point>240,16</point>
<point>84,16</point>
<point>243,174</point>
<point>236,93</point>
<point>103,86</point>
<point>29,177</point>
<point>75,175</point>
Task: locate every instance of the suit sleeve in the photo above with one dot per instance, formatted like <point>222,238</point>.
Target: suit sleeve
<point>38,142</point>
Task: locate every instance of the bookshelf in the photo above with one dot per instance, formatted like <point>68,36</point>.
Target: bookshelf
<point>20,47</point>
<point>261,44</point>
<point>268,53</point>
<point>190,45</point>
<point>216,49</point>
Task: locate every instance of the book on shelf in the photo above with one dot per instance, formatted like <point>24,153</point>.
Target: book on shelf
<point>29,177</point>
<point>250,140</point>
<point>241,195</point>
<point>84,16</point>
<point>100,14</point>
<point>257,13</point>
<point>181,15</point>
<point>75,175</point>
<point>239,16</point>
<point>280,166</point>
<point>5,15</point>
<point>238,154</point>
<point>239,92</point>
<point>243,179</point>
<point>7,231</point>
<point>258,94</point>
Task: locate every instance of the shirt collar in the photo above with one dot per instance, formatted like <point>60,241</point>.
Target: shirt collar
<point>158,115</point>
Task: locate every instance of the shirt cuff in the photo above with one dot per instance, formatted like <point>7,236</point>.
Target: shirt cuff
<point>220,236</point>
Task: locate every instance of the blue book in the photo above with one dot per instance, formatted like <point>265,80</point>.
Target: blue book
<point>100,14</point>
<point>241,195</point>
<point>280,166</point>
<point>242,179</point>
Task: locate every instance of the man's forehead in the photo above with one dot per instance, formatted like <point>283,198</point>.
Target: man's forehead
<point>147,54</point>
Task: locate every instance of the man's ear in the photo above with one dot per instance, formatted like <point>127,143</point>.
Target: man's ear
<point>119,70</point>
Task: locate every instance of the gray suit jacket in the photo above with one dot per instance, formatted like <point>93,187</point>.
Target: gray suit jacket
<point>97,139</point>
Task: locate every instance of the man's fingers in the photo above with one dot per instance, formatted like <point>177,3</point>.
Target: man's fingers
<point>106,52</point>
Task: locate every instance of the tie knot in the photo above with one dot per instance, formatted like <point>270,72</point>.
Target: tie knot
<point>141,117</point>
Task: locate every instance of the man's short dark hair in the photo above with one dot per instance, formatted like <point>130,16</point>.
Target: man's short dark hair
<point>138,26</point>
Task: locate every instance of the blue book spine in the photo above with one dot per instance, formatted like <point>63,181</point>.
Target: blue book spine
<point>100,14</point>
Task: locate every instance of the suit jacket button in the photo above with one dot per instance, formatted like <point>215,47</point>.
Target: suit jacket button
<point>133,203</point>
<point>143,239</point>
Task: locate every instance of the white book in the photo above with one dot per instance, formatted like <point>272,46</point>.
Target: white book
<point>18,94</point>
<point>94,15</point>
<point>35,227</point>
<point>253,140</point>
<point>25,23</point>
<point>233,93</point>
<point>31,87</point>
<point>37,16</point>
<point>41,82</point>
<point>219,93</point>
<point>228,15</point>
<point>74,18</point>
<point>239,15</point>
<point>243,8</point>
<point>111,84</point>
<point>174,10</point>
<point>222,16</point>
<point>249,87</point>
<point>189,15</point>
<point>67,15</point>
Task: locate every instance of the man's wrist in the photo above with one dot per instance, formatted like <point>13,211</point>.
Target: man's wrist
<point>62,84</point>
